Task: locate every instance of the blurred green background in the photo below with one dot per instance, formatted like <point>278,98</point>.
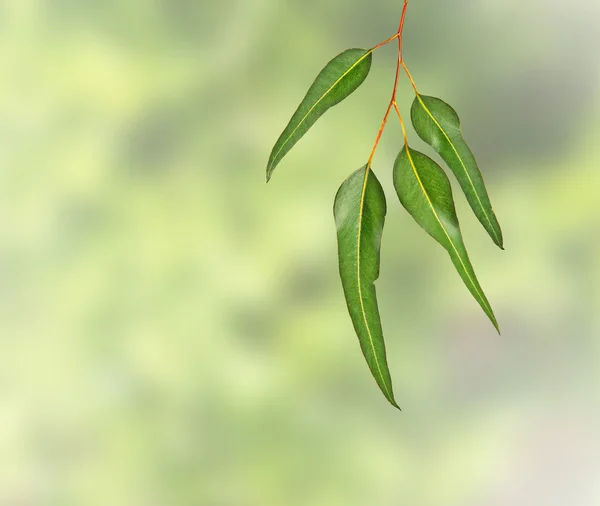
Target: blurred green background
<point>173,331</point>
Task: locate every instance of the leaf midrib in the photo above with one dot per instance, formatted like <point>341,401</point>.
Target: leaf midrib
<point>359,284</point>
<point>463,166</point>
<point>273,163</point>
<point>483,299</point>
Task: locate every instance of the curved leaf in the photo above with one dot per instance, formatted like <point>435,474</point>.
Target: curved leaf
<point>359,212</point>
<point>425,191</point>
<point>340,77</point>
<point>439,126</point>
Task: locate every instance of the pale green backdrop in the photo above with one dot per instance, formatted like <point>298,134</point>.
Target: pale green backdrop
<point>173,330</point>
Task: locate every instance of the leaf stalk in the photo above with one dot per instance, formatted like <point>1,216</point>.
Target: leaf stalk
<point>397,36</point>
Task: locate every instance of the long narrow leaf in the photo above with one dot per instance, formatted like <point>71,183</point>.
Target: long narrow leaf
<point>439,126</point>
<point>359,212</point>
<point>340,78</point>
<point>425,191</point>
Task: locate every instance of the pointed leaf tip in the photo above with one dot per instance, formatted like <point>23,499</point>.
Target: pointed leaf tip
<point>338,80</point>
<point>359,212</point>
<point>438,125</point>
<point>425,192</point>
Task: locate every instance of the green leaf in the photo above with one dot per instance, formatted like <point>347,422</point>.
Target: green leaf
<point>425,191</point>
<point>439,126</point>
<point>340,77</point>
<point>359,212</point>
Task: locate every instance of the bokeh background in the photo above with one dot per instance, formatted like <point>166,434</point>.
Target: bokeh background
<point>173,330</point>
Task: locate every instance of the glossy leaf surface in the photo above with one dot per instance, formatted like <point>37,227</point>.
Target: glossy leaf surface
<point>439,126</point>
<point>340,78</point>
<point>359,212</point>
<point>425,191</point>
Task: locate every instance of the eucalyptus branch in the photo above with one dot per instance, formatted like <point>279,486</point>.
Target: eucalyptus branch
<point>423,188</point>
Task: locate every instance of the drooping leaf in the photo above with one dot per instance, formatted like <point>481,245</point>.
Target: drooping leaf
<point>340,77</point>
<point>359,212</point>
<point>425,191</point>
<point>439,126</point>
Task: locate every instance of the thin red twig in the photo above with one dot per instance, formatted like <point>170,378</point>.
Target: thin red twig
<point>395,89</point>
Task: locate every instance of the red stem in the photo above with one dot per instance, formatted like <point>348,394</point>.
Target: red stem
<point>395,90</point>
